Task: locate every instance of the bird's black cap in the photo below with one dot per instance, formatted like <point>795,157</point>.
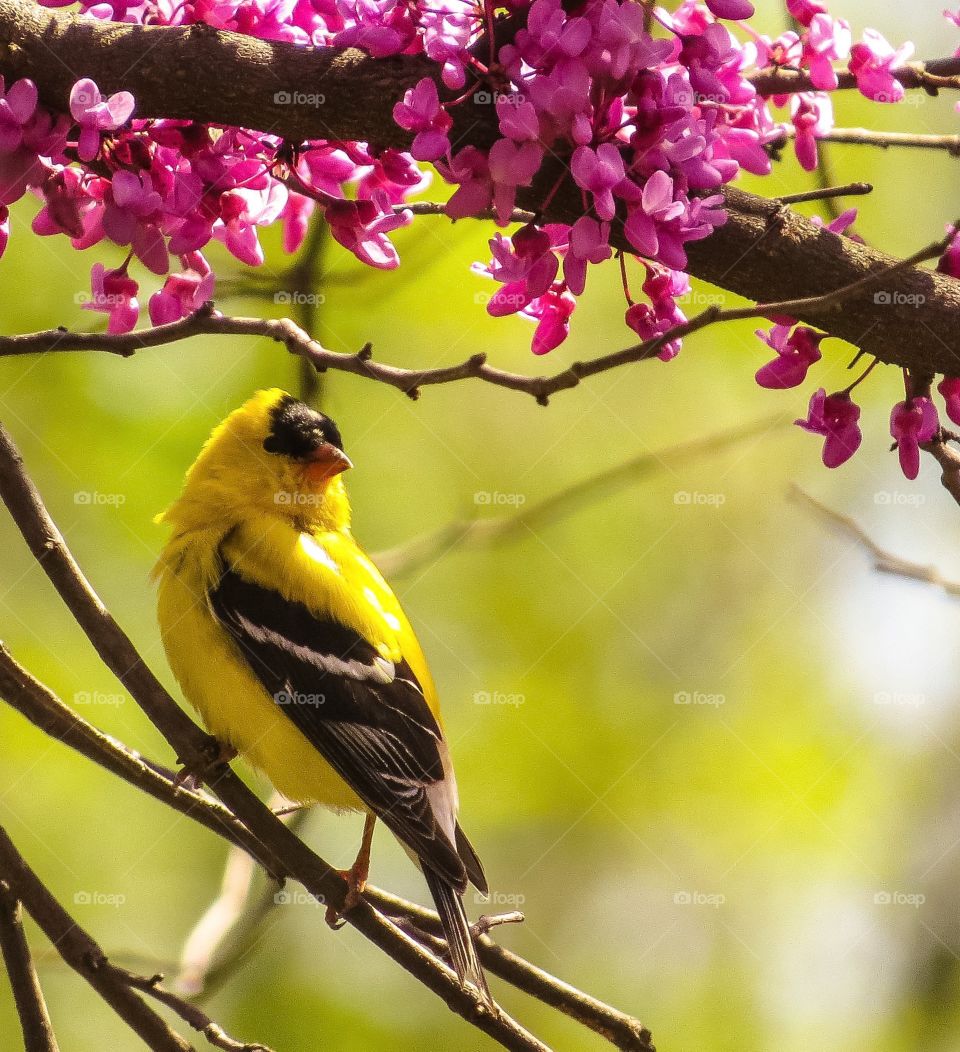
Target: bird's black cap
<point>297,431</point>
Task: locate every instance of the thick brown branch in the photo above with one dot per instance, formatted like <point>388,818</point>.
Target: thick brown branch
<point>35,1025</point>
<point>763,252</point>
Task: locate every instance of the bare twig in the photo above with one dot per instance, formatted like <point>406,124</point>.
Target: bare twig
<point>822,193</point>
<point>207,321</point>
<point>83,954</point>
<point>884,561</point>
<point>619,1029</point>
<point>884,139</point>
<point>482,532</point>
<point>35,1024</point>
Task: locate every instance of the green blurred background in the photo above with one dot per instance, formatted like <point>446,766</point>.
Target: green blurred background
<point>772,865</point>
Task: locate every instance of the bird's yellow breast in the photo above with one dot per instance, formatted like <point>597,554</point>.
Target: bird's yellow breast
<point>329,574</point>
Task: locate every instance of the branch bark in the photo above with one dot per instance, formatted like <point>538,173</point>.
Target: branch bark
<point>763,252</point>
<point>35,1024</point>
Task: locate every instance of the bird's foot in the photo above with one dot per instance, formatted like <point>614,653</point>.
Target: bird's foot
<point>356,878</point>
<point>214,754</point>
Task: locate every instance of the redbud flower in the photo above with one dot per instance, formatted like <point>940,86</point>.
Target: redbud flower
<point>598,172</point>
<point>912,423</point>
<point>422,113</point>
<point>732,9</point>
<point>115,294</point>
<point>796,351</point>
<point>949,387</point>
<point>835,417</point>
<point>95,114</point>
<point>871,62</point>
<point>552,313</point>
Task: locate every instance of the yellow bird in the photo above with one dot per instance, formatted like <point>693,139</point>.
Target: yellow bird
<point>295,651</point>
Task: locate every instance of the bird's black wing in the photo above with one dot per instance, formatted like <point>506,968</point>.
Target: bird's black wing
<point>365,715</point>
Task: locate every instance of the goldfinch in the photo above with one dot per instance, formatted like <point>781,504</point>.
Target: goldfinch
<point>296,653</point>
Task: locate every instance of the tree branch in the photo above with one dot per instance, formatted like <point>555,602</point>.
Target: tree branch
<point>884,561</point>
<point>762,252</point>
<point>928,76</point>
<point>207,321</point>
<point>82,954</point>
<point>478,532</point>
<point>38,1034</point>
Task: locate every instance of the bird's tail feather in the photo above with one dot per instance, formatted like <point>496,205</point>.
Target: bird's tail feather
<point>456,930</point>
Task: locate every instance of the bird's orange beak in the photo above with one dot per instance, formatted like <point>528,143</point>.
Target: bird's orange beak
<point>326,462</point>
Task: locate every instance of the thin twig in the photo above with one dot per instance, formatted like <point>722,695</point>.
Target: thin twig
<point>882,139</point>
<point>884,561</point>
<point>208,321</point>
<point>35,1024</point>
<point>822,193</point>
<point>483,532</point>
<point>83,954</point>
<point>621,1030</point>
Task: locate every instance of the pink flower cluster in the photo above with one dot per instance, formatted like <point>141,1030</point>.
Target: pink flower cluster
<point>636,114</point>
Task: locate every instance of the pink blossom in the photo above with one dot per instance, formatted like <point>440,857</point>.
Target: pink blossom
<point>470,169</point>
<point>835,417</point>
<point>912,423</point>
<point>362,227</point>
<point>826,41</point>
<point>183,293</point>
<point>511,165</point>
<point>18,104</point>
<point>797,349</point>
<point>949,387</point>
<point>115,294</point>
<point>805,10</point>
<point>871,62</point>
<point>589,243</point>
<point>598,172</point>
<point>4,228</point>
<point>812,118</point>
<point>552,313</point>
<point>733,9</point>
<point>422,113</point>
<point>95,114</point>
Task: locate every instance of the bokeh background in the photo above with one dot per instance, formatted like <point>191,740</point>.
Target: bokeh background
<point>709,752</point>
